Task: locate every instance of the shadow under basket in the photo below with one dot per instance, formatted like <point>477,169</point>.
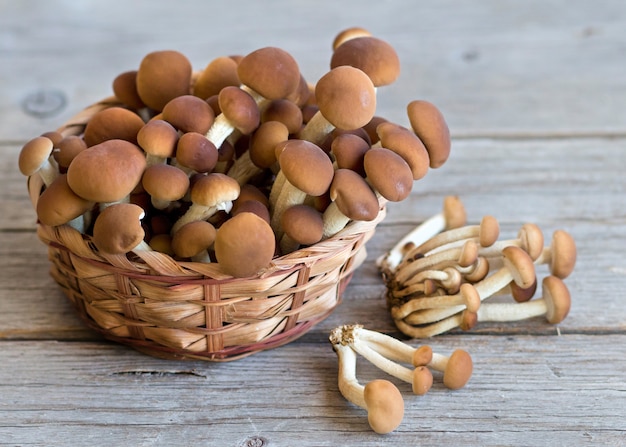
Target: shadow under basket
<point>191,310</point>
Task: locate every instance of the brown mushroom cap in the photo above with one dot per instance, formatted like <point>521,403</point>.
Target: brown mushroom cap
<point>196,152</point>
<point>422,380</point>
<point>58,204</point>
<point>244,245</point>
<point>212,189</point>
<point>458,370</point>
<point>373,56</point>
<point>385,406</point>
<point>34,154</point>
<point>240,108</point>
<point>522,295</point>
<point>557,298</point>
<point>118,229</point>
<point>107,172</point>
<point>193,238</point>
<point>219,73</point>
<point>563,257</point>
<point>303,224</point>
<point>388,173</point>
<point>406,144</point>
<point>164,183</point>
<point>68,148</point>
<point>306,166</point>
<point>520,265</point>
<point>353,196</point>
<point>189,113</point>
<point>346,97</point>
<point>253,206</point>
<point>111,124</point>
<point>430,126</point>
<point>531,238</point>
<point>158,138</point>
<point>271,72</point>
<point>349,151</point>
<point>422,356</point>
<point>162,76</point>
<point>125,89</point>
<point>349,33</point>
<point>286,112</point>
<point>264,141</point>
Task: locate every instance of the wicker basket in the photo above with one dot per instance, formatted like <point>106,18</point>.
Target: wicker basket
<point>191,310</point>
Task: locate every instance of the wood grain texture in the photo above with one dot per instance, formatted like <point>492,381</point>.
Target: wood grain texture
<point>533,93</point>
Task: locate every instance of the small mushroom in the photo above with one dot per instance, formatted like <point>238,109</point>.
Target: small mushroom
<point>388,174</point>
<point>165,184</point>
<point>209,194</point>
<point>196,154</point>
<point>270,72</point>
<point>346,99</point>
<point>107,172</point>
<point>239,111</point>
<point>118,230</point>
<point>219,73</point>
<point>113,123</point>
<point>404,143</point>
<point>244,245</point>
<point>352,199</point>
<point>349,152</point>
<point>163,76</point>
<point>59,205</point>
<point>380,398</point>
<point>34,159</point>
<point>188,113</point>
<point>284,111</point>
<point>453,215</point>
<point>430,126</point>
<point>554,305</point>
<point>66,149</point>
<point>560,255</point>
<point>158,139</point>
<point>193,240</point>
<point>302,225</point>
<point>307,170</point>
<point>457,368</point>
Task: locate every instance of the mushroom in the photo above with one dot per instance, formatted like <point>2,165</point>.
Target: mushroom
<point>449,279</point>
<point>163,76</point>
<point>453,215</point>
<point>59,205</point>
<point>118,230</point>
<point>555,305</point>
<point>380,398</point>
<point>283,111</point>
<point>219,73</point>
<point>165,184</point>
<point>125,89</point>
<point>352,199</point>
<point>349,33</point>
<point>307,170</point>
<point>209,194</point>
<point>430,126</point>
<point>302,225</point>
<point>158,139</point>
<point>404,143</point>
<point>193,240</point>
<point>346,99</point>
<point>239,110</point>
<point>349,152</point>
<point>244,245</point>
<point>457,368</point>
<point>66,149</point>
<point>112,123</point>
<point>188,113</point>
<point>467,297</point>
<point>196,154</point>
<point>388,174</point>
<point>107,172</point>
<point>34,159</point>
<point>373,56</point>
<point>560,255</point>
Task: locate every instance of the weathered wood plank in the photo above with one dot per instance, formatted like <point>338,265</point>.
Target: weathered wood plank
<point>524,391</point>
<point>514,68</point>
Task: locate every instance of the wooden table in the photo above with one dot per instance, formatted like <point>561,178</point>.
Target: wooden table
<point>534,94</point>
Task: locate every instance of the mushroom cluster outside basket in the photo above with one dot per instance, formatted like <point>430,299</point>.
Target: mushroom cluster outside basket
<point>191,310</point>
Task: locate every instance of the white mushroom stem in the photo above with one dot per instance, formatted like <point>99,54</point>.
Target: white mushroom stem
<point>334,220</point>
<point>468,298</point>
<point>200,212</point>
<point>386,345</point>
<point>317,129</point>
<point>289,195</point>
<point>243,169</point>
<point>349,386</point>
<point>452,215</point>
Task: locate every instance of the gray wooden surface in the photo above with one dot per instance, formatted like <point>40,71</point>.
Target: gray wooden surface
<point>534,93</point>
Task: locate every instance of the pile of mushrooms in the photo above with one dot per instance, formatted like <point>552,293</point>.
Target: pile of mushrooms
<point>440,274</point>
<point>268,161</point>
<point>380,397</point>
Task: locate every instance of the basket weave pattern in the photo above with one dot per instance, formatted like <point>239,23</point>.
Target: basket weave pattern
<point>192,310</point>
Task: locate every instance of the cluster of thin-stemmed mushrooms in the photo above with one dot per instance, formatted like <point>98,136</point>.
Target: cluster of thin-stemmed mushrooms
<point>240,162</point>
<point>439,275</point>
<point>380,397</point>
